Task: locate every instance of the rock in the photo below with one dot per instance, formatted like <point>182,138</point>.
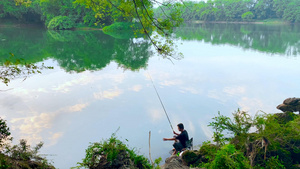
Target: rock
<point>191,157</point>
<point>285,117</point>
<point>174,162</point>
<point>292,101</point>
<point>290,105</point>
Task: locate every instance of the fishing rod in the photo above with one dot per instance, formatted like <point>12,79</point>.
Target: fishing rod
<point>161,101</point>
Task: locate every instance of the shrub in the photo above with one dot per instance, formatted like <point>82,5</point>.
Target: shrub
<point>207,152</point>
<point>118,26</point>
<point>274,162</point>
<point>228,157</point>
<point>112,153</point>
<point>61,23</point>
<point>247,16</point>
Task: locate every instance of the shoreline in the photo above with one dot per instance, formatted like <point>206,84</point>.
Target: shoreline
<point>244,22</point>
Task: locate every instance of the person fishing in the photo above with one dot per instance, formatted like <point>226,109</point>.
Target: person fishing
<point>183,136</point>
<point>179,138</point>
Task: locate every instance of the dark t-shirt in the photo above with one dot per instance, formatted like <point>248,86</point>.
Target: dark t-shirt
<point>183,137</point>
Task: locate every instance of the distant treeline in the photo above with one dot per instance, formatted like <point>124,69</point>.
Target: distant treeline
<point>56,14</point>
<point>271,39</point>
<point>237,10</point>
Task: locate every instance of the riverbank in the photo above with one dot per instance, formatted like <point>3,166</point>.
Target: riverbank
<point>275,22</point>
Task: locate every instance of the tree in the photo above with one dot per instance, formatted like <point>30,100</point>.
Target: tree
<point>247,16</point>
<point>142,13</point>
<point>264,9</point>
<point>4,132</point>
<point>15,68</point>
<point>292,12</point>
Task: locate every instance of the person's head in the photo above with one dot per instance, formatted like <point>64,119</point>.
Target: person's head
<point>180,127</point>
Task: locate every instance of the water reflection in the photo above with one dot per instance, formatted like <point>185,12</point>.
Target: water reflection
<point>273,39</point>
<point>75,51</point>
<point>69,110</point>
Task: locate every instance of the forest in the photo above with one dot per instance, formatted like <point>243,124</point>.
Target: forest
<point>238,10</point>
<point>49,12</point>
<point>67,14</point>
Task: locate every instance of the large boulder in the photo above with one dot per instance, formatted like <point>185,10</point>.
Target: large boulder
<point>290,105</point>
<point>174,162</point>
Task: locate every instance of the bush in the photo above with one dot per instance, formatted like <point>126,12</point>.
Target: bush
<point>118,26</point>
<point>247,16</point>
<point>19,156</point>
<point>112,153</point>
<point>228,157</point>
<point>274,162</point>
<point>207,152</point>
<point>23,156</point>
<point>61,23</point>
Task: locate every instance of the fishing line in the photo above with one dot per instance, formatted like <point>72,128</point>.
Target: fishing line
<point>161,102</point>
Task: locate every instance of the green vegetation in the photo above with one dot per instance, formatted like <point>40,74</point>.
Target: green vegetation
<point>95,52</point>
<point>16,68</point>
<point>68,14</point>
<point>19,156</point>
<point>113,153</point>
<point>61,23</point>
<point>271,39</point>
<point>238,10</point>
<point>274,144</point>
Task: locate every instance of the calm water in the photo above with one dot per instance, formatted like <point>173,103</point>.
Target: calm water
<point>100,83</point>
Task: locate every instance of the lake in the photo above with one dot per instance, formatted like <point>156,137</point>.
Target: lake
<point>101,83</point>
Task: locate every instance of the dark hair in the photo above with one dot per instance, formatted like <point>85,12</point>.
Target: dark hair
<point>180,125</point>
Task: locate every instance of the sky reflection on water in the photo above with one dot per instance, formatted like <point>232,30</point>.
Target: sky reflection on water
<point>69,110</point>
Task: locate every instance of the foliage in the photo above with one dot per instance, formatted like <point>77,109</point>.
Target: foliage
<point>4,132</point>
<point>13,68</point>
<point>115,153</point>
<point>219,125</point>
<point>105,12</point>
<point>228,158</point>
<point>142,12</point>
<point>247,16</point>
<point>292,12</point>
<point>118,26</point>
<point>19,156</point>
<point>274,144</point>
<point>209,151</point>
<point>23,151</point>
<point>237,10</point>
<point>274,162</point>
<point>97,50</point>
<point>61,23</point>
<point>239,126</point>
<point>278,39</point>
<point>23,156</point>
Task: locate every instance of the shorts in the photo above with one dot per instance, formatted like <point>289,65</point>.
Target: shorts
<point>178,146</point>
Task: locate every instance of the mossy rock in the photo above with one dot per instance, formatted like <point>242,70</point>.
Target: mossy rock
<point>285,117</point>
<point>191,157</point>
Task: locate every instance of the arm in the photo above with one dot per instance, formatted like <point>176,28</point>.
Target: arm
<point>169,139</point>
<point>175,133</point>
